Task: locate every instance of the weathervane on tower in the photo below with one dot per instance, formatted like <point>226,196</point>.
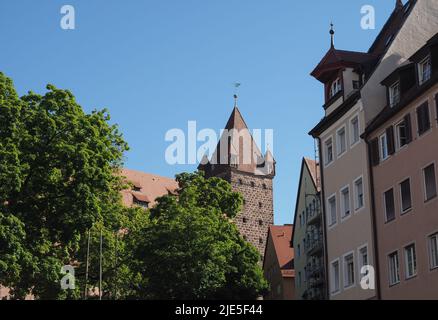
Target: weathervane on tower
<point>236,97</point>
<point>332,35</point>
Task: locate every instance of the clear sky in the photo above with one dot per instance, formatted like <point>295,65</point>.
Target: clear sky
<point>157,64</point>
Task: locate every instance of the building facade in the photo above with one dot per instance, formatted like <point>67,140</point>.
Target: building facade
<point>252,176</point>
<point>354,96</point>
<point>307,239</point>
<point>403,142</point>
<point>278,264</point>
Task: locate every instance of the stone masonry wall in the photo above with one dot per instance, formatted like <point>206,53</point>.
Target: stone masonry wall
<point>258,209</point>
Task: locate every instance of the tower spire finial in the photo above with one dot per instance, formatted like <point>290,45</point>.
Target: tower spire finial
<point>332,35</point>
<point>236,86</point>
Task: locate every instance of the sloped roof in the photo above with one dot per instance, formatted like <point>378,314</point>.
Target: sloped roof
<point>242,151</point>
<point>281,236</point>
<point>314,170</point>
<point>151,187</point>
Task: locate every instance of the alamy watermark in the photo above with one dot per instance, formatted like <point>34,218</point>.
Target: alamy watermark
<point>230,147</point>
<point>68,20</point>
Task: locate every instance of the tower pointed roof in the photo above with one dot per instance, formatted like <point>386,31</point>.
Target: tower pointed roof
<point>236,148</point>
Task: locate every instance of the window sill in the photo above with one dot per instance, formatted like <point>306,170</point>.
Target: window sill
<point>411,277</point>
<point>387,222</point>
<point>394,284</point>
<point>430,199</point>
<point>407,211</point>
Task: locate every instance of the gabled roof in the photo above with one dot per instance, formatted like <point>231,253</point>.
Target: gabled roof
<point>281,236</point>
<point>151,187</point>
<point>240,146</point>
<point>314,171</point>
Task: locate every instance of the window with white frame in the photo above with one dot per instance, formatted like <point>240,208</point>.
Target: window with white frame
<point>433,251</point>
<point>341,139</point>
<point>335,87</point>
<point>345,202</point>
<point>389,204</point>
<point>410,261</point>
<point>335,277</point>
<point>349,271</point>
<point>424,70</point>
<point>332,210</point>
<point>394,94</point>
<point>328,151</point>
<point>355,134</point>
<point>405,195</point>
<point>430,182</point>
<point>358,190</point>
<point>393,268</point>
<point>402,134</point>
<point>383,141</point>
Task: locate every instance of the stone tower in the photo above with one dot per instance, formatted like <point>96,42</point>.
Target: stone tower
<point>238,160</point>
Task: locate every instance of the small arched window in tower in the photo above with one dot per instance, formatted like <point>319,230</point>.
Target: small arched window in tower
<point>260,222</point>
<point>252,184</point>
<point>244,220</point>
<point>264,186</point>
<point>260,205</point>
<point>260,240</point>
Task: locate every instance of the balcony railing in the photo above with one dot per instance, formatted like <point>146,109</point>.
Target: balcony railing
<point>314,246</point>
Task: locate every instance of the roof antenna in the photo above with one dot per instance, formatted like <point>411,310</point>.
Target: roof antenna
<point>332,35</point>
<point>236,86</point>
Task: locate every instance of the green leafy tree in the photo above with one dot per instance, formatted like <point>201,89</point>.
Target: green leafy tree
<point>58,179</point>
<point>192,250</point>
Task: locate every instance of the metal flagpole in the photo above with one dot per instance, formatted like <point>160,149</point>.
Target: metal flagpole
<point>86,267</point>
<point>100,272</point>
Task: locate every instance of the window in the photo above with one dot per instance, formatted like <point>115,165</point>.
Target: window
<point>136,188</point>
<point>299,279</point>
<point>260,205</point>
<point>345,202</point>
<point>301,220</point>
<point>341,141</point>
<point>264,186</point>
<point>335,277</point>
<point>299,250</point>
<point>349,270</point>
<point>358,185</point>
<point>405,192</point>
<point>260,240</point>
<point>383,147</point>
<point>328,151</point>
<point>252,184</point>
<point>356,84</point>
<point>410,261</point>
<point>363,257</point>
<point>332,211</point>
<point>423,118</point>
<point>394,269</point>
<point>430,182</point>
<point>402,134</point>
<point>244,220</point>
<point>260,222</point>
<point>394,94</point>
<point>354,124</point>
<point>389,205</point>
<point>433,251</point>
<point>335,88</point>
<point>424,70</point>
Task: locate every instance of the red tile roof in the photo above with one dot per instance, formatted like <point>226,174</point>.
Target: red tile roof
<point>314,170</point>
<point>151,187</point>
<point>281,236</point>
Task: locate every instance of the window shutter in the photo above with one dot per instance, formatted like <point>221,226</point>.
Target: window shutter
<point>408,128</point>
<point>390,140</point>
<point>374,149</point>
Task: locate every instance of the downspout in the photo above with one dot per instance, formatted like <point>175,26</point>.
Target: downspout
<point>322,202</point>
<point>373,219</point>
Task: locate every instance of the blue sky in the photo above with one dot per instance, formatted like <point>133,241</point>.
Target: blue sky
<point>158,64</point>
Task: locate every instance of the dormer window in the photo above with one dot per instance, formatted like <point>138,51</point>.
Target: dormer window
<point>424,70</point>
<point>336,87</point>
<point>394,94</point>
<point>141,203</point>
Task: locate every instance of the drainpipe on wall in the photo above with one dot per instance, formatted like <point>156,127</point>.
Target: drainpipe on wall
<point>373,219</point>
<point>324,230</point>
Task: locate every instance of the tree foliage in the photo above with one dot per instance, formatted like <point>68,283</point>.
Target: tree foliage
<point>192,250</point>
